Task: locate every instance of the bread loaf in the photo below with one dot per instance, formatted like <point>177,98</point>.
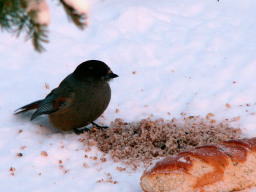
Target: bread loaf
<point>224,167</point>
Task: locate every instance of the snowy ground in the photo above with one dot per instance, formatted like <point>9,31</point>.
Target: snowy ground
<point>172,56</point>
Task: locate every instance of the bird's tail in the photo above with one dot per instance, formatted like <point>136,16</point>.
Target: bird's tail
<point>28,107</point>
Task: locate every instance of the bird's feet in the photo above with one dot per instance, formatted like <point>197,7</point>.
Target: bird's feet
<point>99,126</point>
<point>85,129</point>
<point>81,130</point>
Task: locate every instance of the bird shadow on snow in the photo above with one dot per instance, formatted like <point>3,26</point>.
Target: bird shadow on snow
<point>42,121</point>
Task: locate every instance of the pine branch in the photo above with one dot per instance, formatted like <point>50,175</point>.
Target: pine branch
<point>74,16</point>
<point>38,34</point>
<point>15,19</point>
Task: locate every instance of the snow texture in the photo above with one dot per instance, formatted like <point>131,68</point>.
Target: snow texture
<point>42,9</point>
<point>192,57</point>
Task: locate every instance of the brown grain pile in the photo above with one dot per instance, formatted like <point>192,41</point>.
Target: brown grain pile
<point>136,142</point>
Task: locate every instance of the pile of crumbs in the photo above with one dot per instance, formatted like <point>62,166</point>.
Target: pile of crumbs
<point>134,143</point>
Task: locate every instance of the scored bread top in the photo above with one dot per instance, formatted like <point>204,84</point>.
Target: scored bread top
<point>171,163</point>
<point>218,156</point>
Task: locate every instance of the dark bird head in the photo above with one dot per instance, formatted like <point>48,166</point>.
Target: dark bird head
<point>94,69</point>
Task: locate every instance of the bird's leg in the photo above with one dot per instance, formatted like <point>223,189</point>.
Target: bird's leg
<point>85,129</point>
<point>81,130</point>
<point>99,126</point>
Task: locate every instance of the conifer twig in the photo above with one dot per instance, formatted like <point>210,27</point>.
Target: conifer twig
<point>74,16</point>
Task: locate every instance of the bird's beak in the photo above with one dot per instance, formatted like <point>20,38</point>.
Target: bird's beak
<point>111,75</point>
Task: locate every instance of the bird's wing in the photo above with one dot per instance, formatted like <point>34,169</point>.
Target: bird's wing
<point>51,104</point>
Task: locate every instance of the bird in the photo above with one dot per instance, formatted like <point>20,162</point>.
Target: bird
<point>78,100</point>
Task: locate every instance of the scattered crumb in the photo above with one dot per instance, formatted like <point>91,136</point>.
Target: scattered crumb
<point>39,174</point>
<point>168,113</point>
<point>108,180</point>
<point>145,105</point>
<point>85,156</point>
<point>88,149</point>
<point>236,118</point>
<point>61,166</point>
<point>20,131</point>
<point>117,111</point>
<point>134,72</point>
<point>44,153</point>
<point>19,154</point>
<point>60,161</point>
<point>103,159</point>
<point>23,147</point>
<point>94,158</point>
<point>47,86</point>
<point>108,174</point>
<point>100,181</point>
<point>183,114</point>
<point>120,169</point>
<point>248,105</point>
<point>133,143</point>
<point>228,105</point>
<point>85,165</point>
<point>209,116</point>
<point>234,82</point>
<point>172,70</point>
<point>12,169</point>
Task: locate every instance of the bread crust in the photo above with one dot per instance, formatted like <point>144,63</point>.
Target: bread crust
<point>227,166</point>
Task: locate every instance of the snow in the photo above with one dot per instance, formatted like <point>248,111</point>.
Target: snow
<point>42,9</point>
<point>183,160</point>
<point>190,57</point>
<point>81,6</point>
